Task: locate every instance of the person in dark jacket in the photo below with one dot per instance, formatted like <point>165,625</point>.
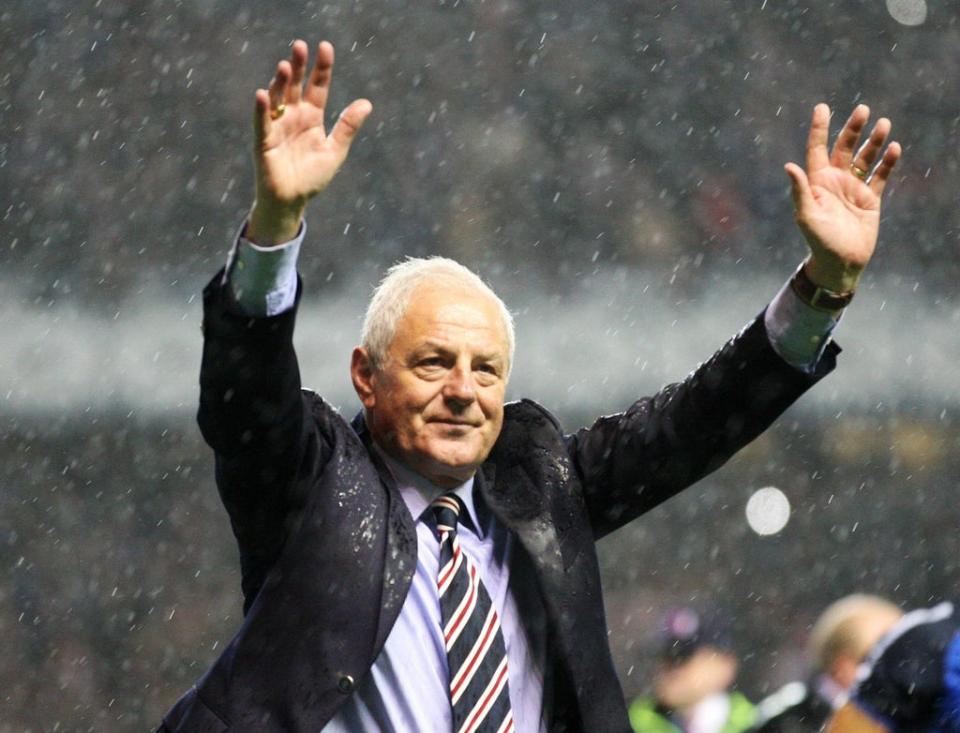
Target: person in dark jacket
<point>910,681</point>
<point>839,642</point>
<point>431,565</point>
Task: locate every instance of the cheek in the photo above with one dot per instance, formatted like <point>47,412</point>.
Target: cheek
<point>413,409</point>
<point>492,406</point>
<point>409,398</point>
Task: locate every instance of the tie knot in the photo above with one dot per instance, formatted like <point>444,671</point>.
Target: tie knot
<point>446,509</point>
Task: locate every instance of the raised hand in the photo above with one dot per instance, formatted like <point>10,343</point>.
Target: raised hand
<point>837,199</point>
<point>294,156</point>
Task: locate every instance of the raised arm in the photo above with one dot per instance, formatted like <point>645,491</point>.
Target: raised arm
<point>634,460</point>
<point>249,377</point>
<point>252,412</point>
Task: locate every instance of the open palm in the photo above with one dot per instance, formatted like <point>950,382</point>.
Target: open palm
<point>837,198</point>
<point>294,155</point>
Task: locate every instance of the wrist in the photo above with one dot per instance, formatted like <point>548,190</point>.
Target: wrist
<point>817,296</point>
<point>269,225</point>
<point>836,277</point>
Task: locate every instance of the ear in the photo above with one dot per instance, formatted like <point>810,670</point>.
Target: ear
<point>362,374</point>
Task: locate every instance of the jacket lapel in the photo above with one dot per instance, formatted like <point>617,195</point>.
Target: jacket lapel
<point>401,545</point>
<point>522,507</point>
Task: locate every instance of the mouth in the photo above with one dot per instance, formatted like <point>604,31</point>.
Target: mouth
<point>455,423</point>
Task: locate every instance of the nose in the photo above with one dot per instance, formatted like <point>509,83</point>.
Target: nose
<point>459,390</point>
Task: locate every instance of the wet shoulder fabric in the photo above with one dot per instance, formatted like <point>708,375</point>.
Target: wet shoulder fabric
<point>911,680</point>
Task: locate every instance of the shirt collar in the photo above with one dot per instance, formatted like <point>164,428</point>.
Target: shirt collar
<point>418,492</point>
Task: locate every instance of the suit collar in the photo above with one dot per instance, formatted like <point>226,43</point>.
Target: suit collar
<point>401,541</point>
<point>416,491</point>
<point>510,488</point>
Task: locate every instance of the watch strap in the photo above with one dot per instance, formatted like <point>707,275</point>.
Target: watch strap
<point>817,297</point>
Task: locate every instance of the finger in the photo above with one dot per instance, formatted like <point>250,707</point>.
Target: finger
<point>279,84</point>
<point>817,140</point>
<point>842,155</point>
<point>298,67</point>
<point>319,85</point>
<point>878,180</point>
<point>869,152</point>
<point>349,123</point>
<point>803,200</point>
<point>261,117</point>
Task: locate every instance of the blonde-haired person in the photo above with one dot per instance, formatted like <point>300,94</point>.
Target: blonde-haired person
<point>909,680</point>
<point>846,631</point>
<point>841,637</point>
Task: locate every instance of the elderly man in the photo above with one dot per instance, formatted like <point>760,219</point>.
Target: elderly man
<point>431,565</point>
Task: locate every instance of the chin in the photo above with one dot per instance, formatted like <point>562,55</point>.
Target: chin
<point>455,462</point>
<point>458,458</point>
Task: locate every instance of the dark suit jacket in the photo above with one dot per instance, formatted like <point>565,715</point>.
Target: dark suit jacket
<point>328,548</point>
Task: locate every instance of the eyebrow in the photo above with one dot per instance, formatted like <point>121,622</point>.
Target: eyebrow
<point>428,346</point>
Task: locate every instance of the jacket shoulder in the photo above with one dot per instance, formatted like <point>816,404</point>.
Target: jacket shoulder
<point>527,426</point>
<point>326,417</point>
<point>527,412</point>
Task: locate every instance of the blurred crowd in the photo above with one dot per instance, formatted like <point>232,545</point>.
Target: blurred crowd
<point>538,139</point>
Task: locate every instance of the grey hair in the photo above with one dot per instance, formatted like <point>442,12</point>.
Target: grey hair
<point>392,296</point>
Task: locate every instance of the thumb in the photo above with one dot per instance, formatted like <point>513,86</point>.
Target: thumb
<point>803,199</point>
<point>350,122</point>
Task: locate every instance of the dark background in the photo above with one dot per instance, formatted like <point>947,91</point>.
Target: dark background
<point>613,168</point>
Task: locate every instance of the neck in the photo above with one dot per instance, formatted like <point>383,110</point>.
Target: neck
<point>429,486</point>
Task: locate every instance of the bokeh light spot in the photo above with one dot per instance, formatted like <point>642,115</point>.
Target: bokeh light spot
<point>768,511</point>
<point>908,12</point>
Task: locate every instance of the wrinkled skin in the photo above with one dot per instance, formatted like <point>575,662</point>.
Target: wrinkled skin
<point>436,404</point>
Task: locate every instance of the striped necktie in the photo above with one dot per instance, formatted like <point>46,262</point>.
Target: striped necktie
<point>479,690</point>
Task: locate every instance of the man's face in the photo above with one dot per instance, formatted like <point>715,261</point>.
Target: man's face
<point>436,404</point>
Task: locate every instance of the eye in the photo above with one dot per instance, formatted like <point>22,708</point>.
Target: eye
<point>431,364</point>
<point>488,371</point>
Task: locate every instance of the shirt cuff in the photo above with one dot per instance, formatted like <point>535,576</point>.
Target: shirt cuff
<point>262,281</point>
<point>798,332</point>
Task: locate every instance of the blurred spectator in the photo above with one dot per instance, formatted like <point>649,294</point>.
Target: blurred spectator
<point>910,680</point>
<point>692,683</point>
<point>840,640</point>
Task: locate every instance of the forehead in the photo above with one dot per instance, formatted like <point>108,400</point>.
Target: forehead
<point>452,314</point>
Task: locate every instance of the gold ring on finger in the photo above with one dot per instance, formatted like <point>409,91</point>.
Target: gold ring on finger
<point>859,172</point>
<point>276,114</point>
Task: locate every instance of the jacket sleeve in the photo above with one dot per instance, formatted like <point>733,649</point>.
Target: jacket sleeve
<point>632,461</point>
<point>258,422</point>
